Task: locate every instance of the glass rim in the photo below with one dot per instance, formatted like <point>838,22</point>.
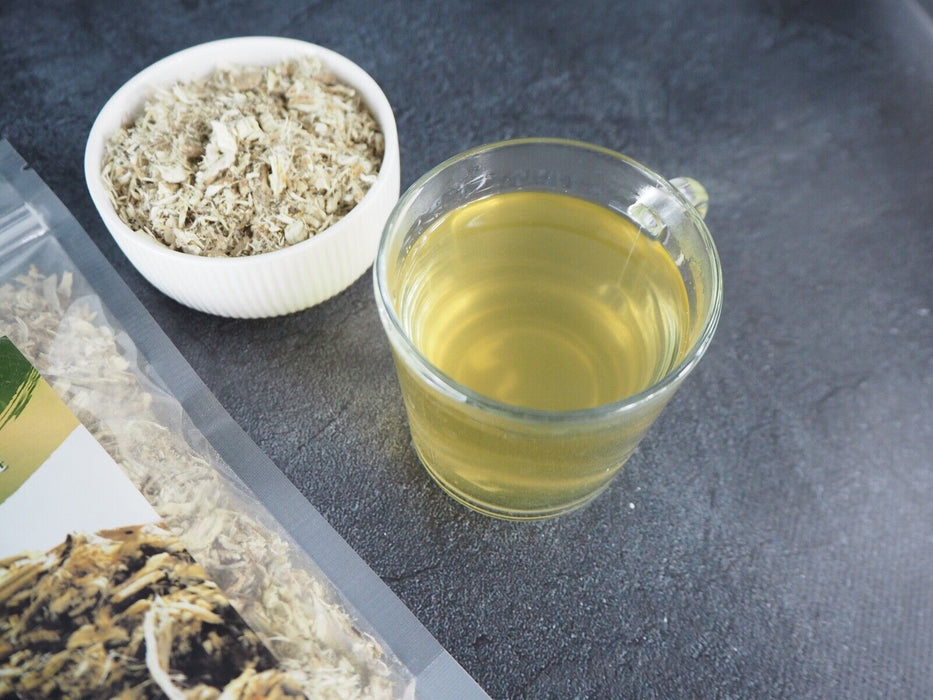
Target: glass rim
<point>464,394</point>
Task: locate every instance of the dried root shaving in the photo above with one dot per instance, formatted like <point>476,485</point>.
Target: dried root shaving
<point>248,160</point>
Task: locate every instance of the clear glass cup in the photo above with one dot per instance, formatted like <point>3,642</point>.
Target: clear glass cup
<point>510,461</point>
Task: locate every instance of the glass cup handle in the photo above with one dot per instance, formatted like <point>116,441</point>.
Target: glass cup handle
<point>694,193</point>
<point>655,208</point>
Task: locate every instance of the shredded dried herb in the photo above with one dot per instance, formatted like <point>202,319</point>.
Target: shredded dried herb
<point>248,160</point>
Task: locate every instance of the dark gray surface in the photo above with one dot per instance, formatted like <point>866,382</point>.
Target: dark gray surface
<point>773,536</point>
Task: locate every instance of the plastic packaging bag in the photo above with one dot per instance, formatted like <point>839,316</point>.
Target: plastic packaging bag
<point>294,581</point>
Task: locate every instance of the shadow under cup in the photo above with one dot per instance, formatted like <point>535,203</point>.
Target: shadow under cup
<point>515,462</point>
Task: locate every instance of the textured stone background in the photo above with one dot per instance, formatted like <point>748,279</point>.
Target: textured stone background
<point>781,540</point>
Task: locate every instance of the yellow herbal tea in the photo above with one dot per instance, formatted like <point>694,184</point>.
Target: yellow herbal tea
<point>541,301</point>
<point>544,301</point>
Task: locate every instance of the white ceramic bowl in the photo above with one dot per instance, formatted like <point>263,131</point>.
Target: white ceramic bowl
<point>268,284</point>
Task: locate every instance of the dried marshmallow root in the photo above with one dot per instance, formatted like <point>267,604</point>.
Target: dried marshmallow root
<point>248,160</point>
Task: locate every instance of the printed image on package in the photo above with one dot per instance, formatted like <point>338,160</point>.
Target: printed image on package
<point>123,611</point>
<point>126,613</point>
